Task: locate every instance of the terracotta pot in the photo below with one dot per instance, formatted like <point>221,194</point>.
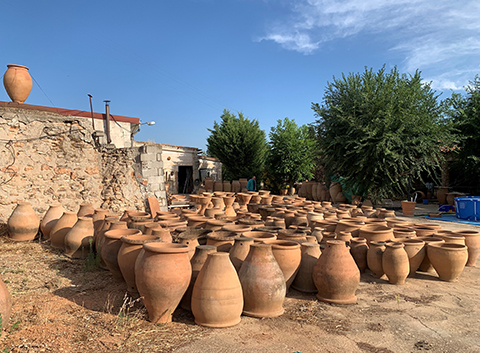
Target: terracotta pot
<point>239,251</point>
<point>259,236</point>
<point>472,241</point>
<point>288,255</point>
<point>197,261</point>
<point>395,263</point>
<point>61,228</point>
<point>236,186</point>
<point>442,195</point>
<point>23,223</point>
<point>111,247</point>
<point>455,238</point>
<point>424,231</point>
<point>303,281</point>
<point>98,218</point>
<point>292,235</point>
<point>79,240</point>
<point>162,275</point>
<point>85,210</point>
<point>222,240</point>
<point>191,241</point>
<point>426,266</point>
<point>374,258</point>
<point>359,249</point>
<point>416,251</point>
<point>448,259</point>
<point>334,189</point>
<point>163,234</point>
<point>109,223</point>
<point>127,256</point>
<point>217,298</point>
<point>404,233</point>
<point>50,219</point>
<point>228,201</point>
<point>336,274</point>
<point>262,282</point>
<point>5,306</point>
<point>17,82</point>
<point>376,233</point>
<point>238,229</point>
<point>349,225</point>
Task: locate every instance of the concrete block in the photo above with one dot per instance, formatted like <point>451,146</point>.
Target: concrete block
<point>148,157</point>
<point>155,179</point>
<point>152,149</point>
<point>148,173</point>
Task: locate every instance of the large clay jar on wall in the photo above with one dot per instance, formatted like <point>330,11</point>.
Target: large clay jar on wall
<point>50,219</point>
<point>448,259</point>
<point>23,223</point>
<point>61,228</point>
<point>336,274</point>
<point>5,306</point>
<point>127,256</point>
<point>197,261</point>
<point>217,298</point>
<point>111,248</point>
<point>79,240</point>
<point>289,256</point>
<point>17,82</point>
<point>374,258</point>
<point>303,281</point>
<point>472,241</point>
<point>262,282</point>
<point>162,275</point>
<point>395,263</point>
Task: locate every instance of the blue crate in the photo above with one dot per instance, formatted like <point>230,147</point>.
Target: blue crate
<point>468,207</point>
<point>445,208</point>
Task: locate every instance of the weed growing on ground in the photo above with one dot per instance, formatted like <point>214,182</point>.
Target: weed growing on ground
<point>92,260</point>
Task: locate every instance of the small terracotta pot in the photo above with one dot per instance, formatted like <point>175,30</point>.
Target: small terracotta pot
<point>162,275</point>
<point>50,219</point>
<point>111,248</point>
<point>395,263</point>
<point>336,274</point>
<point>303,281</point>
<point>23,223</point>
<point>79,240</point>
<point>448,259</point>
<point>263,284</point>
<point>217,298</point>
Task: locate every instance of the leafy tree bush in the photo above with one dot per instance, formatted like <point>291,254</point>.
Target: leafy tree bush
<point>465,113</point>
<point>379,130</point>
<point>239,144</point>
<point>291,154</point>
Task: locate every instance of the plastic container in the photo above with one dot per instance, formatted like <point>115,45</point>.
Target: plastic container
<point>468,208</point>
<point>445,208</point>
<point>425,201</point>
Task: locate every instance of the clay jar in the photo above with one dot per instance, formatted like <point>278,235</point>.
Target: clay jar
<point>23,223</point>
<point>448,259</point>
<point>50,219</point>
<point>416,251</point>
<point>288,255</point>
<point>259,236</point>
<point>336,274</point>
<point>472,241</point>
<point>127,256</point>
<point>162,275</point>
<point>262,282</point>
<point>426,266</point>
<point>217,298</point>
<point>85,210</point>
<point>408,208</point>
<point>79,240</point>
<point>374,258</point>
<point>359,249</point>
<point>17,82</point>
<point>303,281</point>
<point>163,234</point>
<point>404,233</point>
<point>5,306</point>
<point>197,261</point>
<point>228,201</point>
<point>238,229</point>
<point>109,223</point>
<point>190,241</point>
<point>376,233</point>
<point>349,225</point>
<point>395,263</point>
<point>239,251</point>
<point>111,247</point>
<point>61,228</point>
<point>222,240</point>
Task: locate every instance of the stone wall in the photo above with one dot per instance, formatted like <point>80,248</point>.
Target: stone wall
<point>48,158</point>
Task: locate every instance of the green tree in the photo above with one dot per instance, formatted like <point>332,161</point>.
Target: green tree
<point>379,130</point>
<point>291,154</point>
<point>465,113</point>
<point>239,144</point>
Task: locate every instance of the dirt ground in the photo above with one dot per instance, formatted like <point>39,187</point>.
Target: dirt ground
<point>63,305</point>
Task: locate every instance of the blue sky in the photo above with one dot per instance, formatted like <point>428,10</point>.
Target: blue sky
<point>180,63</point>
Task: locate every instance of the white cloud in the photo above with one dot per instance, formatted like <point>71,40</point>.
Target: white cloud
<point>439,37</point>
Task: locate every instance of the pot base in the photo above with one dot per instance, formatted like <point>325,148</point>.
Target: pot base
<point>351,300</point>
<point>222,325</point>
<point>252,314</point>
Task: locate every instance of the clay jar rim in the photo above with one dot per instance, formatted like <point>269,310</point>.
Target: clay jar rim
<point>449,246</point>
<point>358,240</point>
<point>119,233</point>
<point>452,236</point>
<point>16,65</point>
<point>236,228</point>
<point>138,239</point>
<point>221,235</point>
<point>190,232</point>
<point>244,239</point>
<point>292,232</point>
<point>70,213</point>
<point>285,244</point>
<point>85,218</point>
<point>258,234</point>
<point>394,244</point>
<point>308,244</point>
<point>410,241</point>
<point>166,248</point>
<point>467,233</point>
<point>376,228</point>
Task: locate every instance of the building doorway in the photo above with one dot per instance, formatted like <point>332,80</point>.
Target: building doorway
<point>185,179</point>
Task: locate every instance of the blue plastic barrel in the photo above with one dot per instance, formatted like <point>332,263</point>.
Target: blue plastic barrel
<point>468,208</point>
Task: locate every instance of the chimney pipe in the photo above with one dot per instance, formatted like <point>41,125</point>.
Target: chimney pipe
<point>107,122</point>
<point>91,111</point>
